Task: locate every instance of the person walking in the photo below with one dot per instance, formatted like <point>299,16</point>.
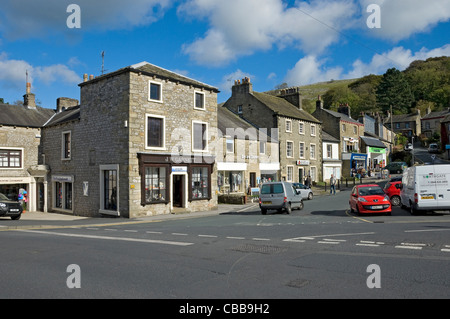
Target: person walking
<point>332,185</point>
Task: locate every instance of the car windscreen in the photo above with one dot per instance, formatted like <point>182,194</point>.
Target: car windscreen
<point>3,197</point>
<point>367,191</point>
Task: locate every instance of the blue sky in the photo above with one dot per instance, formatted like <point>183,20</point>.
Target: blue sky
<point>214,41</point>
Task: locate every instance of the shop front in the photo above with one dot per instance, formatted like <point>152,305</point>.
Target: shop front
<point>354,164</point>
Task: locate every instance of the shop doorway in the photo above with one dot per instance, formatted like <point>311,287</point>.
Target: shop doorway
<point>301,176</point>
<point>178,194</point>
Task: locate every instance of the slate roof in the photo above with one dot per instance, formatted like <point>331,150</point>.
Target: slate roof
<point>153,70</point>
<point>374,142</point>
<point>329,138</point>
<point>342,116</point>
<point>436,114</point>
<point>18,115</point>
<point>227,119</point>
<point>402,118</point>
<point>69,114</point>
<point>284,108</point>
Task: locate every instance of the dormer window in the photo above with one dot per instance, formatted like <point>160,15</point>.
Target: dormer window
<point>199,102</point>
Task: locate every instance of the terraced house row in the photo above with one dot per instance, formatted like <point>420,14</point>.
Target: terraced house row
<point>144,141</point>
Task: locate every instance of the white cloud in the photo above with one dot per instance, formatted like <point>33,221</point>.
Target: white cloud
<point>310,69</point>
<point>402,18</point>
<point>13,73</point>
<point>228,80</point>
<point>31,18</point>
<point>239,28</point>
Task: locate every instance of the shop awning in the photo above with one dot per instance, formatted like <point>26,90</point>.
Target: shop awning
<point>370,141</point>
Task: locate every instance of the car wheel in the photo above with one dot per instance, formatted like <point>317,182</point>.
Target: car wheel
<point>310,196</point>
<point>395,201</point>
<point>301,205</point>
<point>288,208</point>
<point>17,217</point>
<point>264,211</point>
<point>412,210</point>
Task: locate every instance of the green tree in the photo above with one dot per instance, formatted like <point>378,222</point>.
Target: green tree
<point>394,90</point>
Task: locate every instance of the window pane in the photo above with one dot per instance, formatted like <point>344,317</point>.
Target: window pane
<point>58,195</point>
<point>155,91</point>
<point>155,184</point>
<point>199,136</point>
<point>200,182</point>
<point>68,194</point>
<point>110,187</point>
<point>199,101</point>
<point>155,133</point>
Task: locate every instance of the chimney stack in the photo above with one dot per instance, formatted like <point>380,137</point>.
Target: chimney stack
<point>242,87</point>
<point>64,103</point>
<point>85,77</point>
<point>293,96</point>
<point>29,99</point>
<point>319,103</point>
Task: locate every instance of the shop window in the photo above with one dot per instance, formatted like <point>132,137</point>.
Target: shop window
<point>63,195</point>
<point>200,183</point>
<point>155,185</point>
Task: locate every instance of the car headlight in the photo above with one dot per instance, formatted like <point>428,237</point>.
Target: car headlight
<point>386,198</point>
<point>2,205</point>
<point>362,199</point>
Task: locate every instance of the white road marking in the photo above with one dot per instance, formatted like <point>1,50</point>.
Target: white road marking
<point>208,236</point>
<point>240,238</point>
<point>149,241</point>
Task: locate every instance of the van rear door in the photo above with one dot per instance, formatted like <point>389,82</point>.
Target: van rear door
<point>434,187</point>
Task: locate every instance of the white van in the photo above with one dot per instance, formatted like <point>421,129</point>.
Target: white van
<point>426,188</point>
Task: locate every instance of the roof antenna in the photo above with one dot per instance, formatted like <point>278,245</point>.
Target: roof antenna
<point>103,62</point>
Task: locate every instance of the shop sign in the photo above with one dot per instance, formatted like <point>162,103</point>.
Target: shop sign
<point>62,178</point>
<point>303,162</point>
<point>377,150</point>
<point>179,169</point>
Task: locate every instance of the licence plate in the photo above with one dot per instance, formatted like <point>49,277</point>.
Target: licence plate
<point>377,207</point>
<point>14,210</point>
<point>428,197</point>
<point>267,203</point>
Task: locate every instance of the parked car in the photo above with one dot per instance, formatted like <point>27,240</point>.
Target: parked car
<point>433,148</point>
<point>392,190</point>
<point>279,196</point>
<point>396,167</point>
<point>369,198</point>
<point>306,191</point>
<point>426,188</point>
<point>10,208</point>
<point>409,147</point>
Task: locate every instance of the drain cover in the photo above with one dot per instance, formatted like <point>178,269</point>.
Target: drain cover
<point>261,249</point>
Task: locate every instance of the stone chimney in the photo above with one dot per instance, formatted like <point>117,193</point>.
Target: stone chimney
<point>244,87</point>
<point>319,103</point>
<point>293,96</point>
<point>345,109</point>
<point>64,103</point>
<point>29,99</point>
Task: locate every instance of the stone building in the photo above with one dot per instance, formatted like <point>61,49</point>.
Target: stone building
<point>246,156</point>
<point>141,143</point>
<point>22,165</point>
<point>348,131</point>
<point>299,133</point>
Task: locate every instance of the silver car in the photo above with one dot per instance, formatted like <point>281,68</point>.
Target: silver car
<point>279,196</point>
<point>306,191</point>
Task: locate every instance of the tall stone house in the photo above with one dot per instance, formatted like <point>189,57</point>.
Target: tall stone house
<point>348,131</point>
<point>247,156</point>
<point>141,142</point>
<point>22,165</point>
<point>299,133</point>
<point>408,125</point>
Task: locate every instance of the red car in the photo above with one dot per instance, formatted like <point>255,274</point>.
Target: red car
<point>369,198</point>
<point>392,189</point>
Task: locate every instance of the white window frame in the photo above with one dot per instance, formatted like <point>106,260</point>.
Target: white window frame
<point>301,128</point>
<point>163,148</point>
<point>229,140</point>
<point>343,127</point>
<point>301,146</point>
<point>312,153</point>
<point>63,146</point>
<point>193,137</point>
<point>102,210</point>
<point>313,130</point>
<point>287,173</point>
<point>313,173</point>
<point>203,100</point>
<point>150,82</point>
<point>262,144</point>
<point>21,160</point>
<point>292,156</point>
<point>288,127</point>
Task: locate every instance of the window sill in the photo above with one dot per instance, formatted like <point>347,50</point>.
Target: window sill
<point>109,212</point>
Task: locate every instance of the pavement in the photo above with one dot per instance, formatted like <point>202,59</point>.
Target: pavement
<point>39,220</point>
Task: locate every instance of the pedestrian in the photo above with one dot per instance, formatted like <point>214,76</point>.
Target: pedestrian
<point>332,185</point>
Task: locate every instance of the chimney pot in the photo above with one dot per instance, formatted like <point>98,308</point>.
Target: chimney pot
<point>85,77</point>
<point>91,77</point>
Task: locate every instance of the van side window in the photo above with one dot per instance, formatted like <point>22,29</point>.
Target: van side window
<point>265,189</point>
